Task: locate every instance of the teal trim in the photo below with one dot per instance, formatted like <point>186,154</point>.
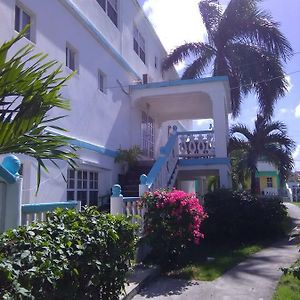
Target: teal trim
<point>116,190</point>
<point>44,207</point>
<point>266,173</point>
<point>9,168</point>
<point>165,152</point>
<point>204,161</point>
<point>93,147</point>
<point>100,37</point>
<point>131,199</point>
<point>178,82</point>
<point>88,145</point>
<point>7,176</point>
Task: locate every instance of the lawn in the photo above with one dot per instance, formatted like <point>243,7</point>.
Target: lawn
<point>209,264</point>
<point>288,288</point>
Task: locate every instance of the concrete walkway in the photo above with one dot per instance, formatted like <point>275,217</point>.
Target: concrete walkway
<point>254,279</point>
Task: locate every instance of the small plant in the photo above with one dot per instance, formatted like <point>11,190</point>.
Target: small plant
<point>172,223</point>
<point>71,256</point>
<point>129,156</point>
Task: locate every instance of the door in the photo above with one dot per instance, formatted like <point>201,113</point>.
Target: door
<point>147,131</point>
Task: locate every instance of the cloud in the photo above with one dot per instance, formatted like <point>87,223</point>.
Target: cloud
<point>289,81</point>
<point>283,111</point>
<point>175,22</point>
<point>297,111</point>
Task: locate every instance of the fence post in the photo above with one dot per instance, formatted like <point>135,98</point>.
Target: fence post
<point>78,206</point>
<point>116,201</point>
<point>143,187</point>
<point>12,199</point>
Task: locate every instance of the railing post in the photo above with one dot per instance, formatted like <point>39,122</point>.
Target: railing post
<point>143,187</point>
<point>78,206</point>
<point>12,194</point>
<point>116,201</point>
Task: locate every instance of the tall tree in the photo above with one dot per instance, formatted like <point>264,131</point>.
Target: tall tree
<point>29,90</point>
<point>245,44</point>
<point>268,141</point>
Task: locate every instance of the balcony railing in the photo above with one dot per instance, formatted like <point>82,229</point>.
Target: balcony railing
<point>196,144</point>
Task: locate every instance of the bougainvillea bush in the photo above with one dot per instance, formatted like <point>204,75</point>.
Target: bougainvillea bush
<point>172,223</point>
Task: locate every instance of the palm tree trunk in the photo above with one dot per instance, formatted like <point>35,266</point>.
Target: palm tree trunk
<point>253,182</point>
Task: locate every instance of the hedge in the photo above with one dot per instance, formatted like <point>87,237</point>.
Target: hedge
<point>71,256</point>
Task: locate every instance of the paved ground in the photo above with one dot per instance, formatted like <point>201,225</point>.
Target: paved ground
<point>254,279</point>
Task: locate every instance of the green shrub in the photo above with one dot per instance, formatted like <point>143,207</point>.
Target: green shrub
<point>172,223</point>
<point>71,256</point>
<point>240,217</point>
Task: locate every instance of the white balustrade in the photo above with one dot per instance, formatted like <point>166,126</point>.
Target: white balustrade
<point>135,209</point>
<point>200,144</point>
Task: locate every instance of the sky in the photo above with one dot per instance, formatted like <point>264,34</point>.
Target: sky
<point>179,21</point>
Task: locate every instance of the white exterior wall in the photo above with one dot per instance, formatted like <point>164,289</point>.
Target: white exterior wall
<point>107,120</point>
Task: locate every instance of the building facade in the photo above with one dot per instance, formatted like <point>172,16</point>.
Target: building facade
<point>119,96</point>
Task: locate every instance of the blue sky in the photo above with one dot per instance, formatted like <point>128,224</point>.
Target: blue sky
<point>177,21</point>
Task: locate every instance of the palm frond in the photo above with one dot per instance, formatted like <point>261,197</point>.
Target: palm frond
<point>184,51</point>
<point>211,13</point>
<point>29,90</point>
<point>197,68</point>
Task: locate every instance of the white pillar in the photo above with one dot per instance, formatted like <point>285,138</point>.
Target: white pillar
<point>143,187</point>
<point>2,205</point>
<point>225,179</point>
<point>221,129</point>
<point>116,201</point>
<point>13,203</point>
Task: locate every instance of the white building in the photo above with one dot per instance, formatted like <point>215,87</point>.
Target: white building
<point>119,98</point>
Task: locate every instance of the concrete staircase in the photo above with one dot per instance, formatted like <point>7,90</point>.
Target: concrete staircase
<point>130,182</point>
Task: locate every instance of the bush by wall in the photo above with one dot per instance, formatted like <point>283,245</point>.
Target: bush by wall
<point>241,217</point>
<point>172,223</point>
<point>71,256</point>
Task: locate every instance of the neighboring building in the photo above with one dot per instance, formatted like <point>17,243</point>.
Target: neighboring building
<point>268,182</point>
<point>119,96</point>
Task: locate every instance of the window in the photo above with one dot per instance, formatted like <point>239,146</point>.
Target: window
<point>102,82</point>
<point>83,185</point>
<point>139,44</point>
<point>147,130</point>
<point>269,182</point>
<point>111,9</point>
<point>71,58</point>
<point>22,19</point>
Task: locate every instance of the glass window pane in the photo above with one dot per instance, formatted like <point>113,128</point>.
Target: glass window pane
<point>70,195</point>
<point>82,196</point>
<point>102,3</point>
<point>71,173</point>
<point>26,21</point>
<point>17,18</point>
<point>112,13</point>
<point>93,198</point>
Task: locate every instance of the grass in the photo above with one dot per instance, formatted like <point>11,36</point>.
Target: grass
<point>205,269</point>
<point>288,288</point>
<point>296,203</point>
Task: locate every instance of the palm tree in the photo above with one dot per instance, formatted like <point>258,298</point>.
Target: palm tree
<point>29,90</point>
<point>268,141</point>
<point>245,44</point>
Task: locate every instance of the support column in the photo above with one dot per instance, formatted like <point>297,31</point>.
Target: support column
<point>221,129</point>
<point>143,187</point>
<point>116,201</point>
<point>225,178</point>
